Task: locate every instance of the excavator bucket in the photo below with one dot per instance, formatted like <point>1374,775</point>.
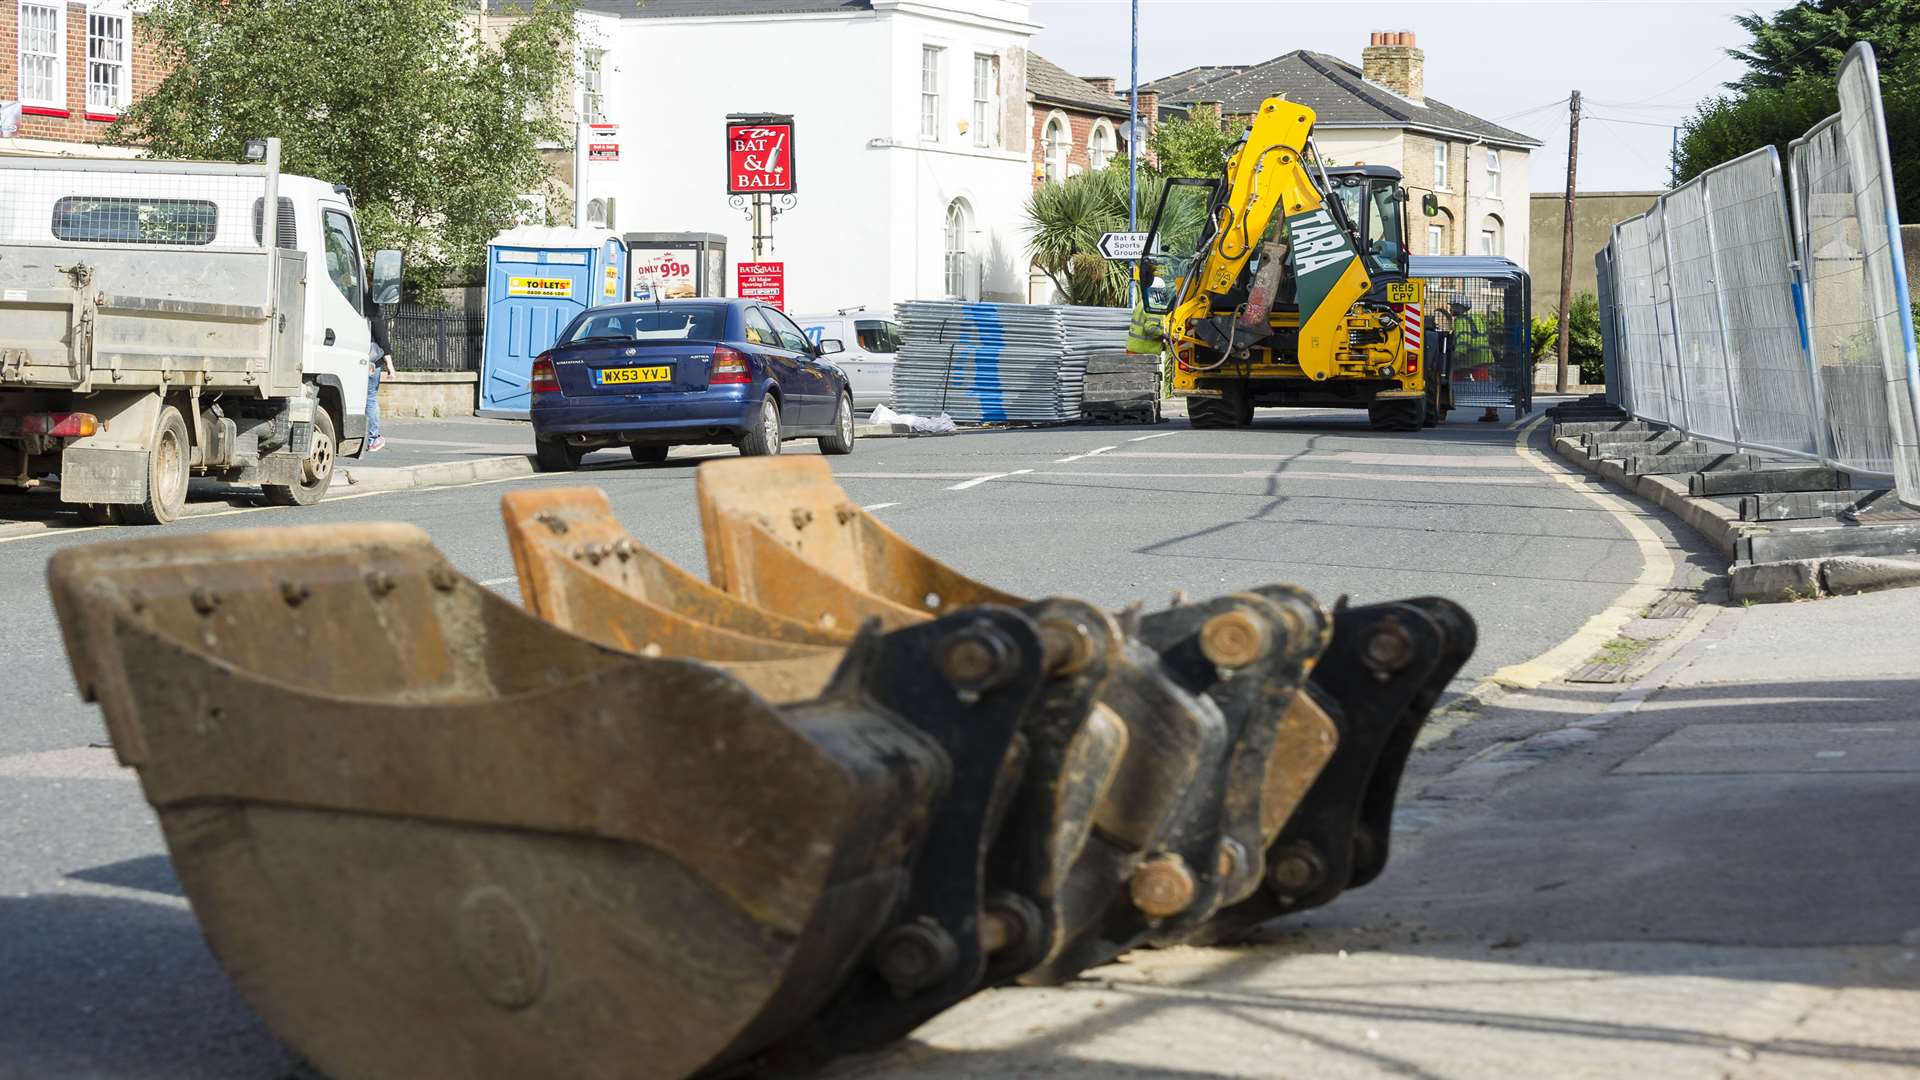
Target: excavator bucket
<point>1193,791</point>
<point>782,532</point>
<point>428,834</point>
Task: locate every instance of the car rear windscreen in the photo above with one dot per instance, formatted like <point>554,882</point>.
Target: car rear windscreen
<point>654,324</point>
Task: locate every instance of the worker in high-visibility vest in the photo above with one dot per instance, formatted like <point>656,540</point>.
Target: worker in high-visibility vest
<point>1146,332</point>
<point>1473,348</point>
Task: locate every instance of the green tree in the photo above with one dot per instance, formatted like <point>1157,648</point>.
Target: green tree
<point>434,129</point>
<point>1792,62</point>
<point>1197,144</point>
<point>1812,38</point>
<point>1584,352</point>
<point>1064,225</point>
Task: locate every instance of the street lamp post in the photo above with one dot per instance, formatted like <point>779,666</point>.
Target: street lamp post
<point>1133,127</point>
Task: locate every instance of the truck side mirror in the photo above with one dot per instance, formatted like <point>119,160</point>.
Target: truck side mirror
<point>1431,204</point>
<point>386,277</point>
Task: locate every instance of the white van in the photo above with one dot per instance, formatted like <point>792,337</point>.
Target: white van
<point>867,344</point>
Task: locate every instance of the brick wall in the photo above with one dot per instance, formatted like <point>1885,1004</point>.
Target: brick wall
<point>74,122</point>
<point>1080,127</point>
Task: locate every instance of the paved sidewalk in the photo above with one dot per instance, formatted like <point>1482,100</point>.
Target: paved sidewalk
<point>1712,871</point>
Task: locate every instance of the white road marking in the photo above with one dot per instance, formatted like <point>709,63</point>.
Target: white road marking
<point>1144,438</point>
<point>978,480</point>
<point>879,506</point>
<point>1831,753</point>
<point>491,582</point>
<point>1088,454</point>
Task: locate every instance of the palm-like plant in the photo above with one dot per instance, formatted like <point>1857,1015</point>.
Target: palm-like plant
<point>1064,225</point>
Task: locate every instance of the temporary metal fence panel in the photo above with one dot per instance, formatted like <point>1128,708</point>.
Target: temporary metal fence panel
<point>1640,321</point>
<point>988,363</point>
<point>1609,328</point>
<point>1659,261</point>
<point>1492,342</point>
<point>1776,402</point>
<point>1843,335</point>
<point>1699,335</point>
<point>1863,128</point>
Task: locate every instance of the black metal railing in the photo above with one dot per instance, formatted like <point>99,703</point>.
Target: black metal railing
<point>436,339</point>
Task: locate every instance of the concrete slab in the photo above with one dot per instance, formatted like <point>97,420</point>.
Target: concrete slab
<point>1674,464</point>
<point>1804,505</point>
<point>1758,479</point>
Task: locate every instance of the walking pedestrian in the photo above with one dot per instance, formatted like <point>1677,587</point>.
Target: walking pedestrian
<point>379,358</point>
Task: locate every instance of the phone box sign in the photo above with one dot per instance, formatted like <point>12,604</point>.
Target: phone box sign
<point>763,281</point>
<point>760,156</point>
<point>661,274</point>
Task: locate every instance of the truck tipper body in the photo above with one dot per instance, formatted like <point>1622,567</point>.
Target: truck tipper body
<point>155,324</point>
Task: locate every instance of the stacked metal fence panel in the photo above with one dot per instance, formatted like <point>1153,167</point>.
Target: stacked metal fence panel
<point>985,363</point>
<point>1737,323</point>
<point>1609,328</point>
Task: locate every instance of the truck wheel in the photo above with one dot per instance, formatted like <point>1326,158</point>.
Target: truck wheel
<point>764,439</point>
<point>167,468</point>
<point>1397,415</point>
<point>841,441</point>
<point>556,455</point>
<point>316,472</point>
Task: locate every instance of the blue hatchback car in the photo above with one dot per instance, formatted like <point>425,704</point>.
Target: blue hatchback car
<point>653,376</point>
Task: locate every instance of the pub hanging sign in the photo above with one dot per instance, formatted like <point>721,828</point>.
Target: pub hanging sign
<point>760,155</point>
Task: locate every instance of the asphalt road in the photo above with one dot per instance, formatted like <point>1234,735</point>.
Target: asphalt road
<point>105,973</point>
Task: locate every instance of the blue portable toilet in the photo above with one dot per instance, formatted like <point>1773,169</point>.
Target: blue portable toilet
<point>538,279</point>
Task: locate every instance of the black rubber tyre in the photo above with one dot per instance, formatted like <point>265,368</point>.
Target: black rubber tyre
<point>316,471</point>
<point>841,441</point>
<point>553,455</point>
<point>1433,414</point>
<point>1231,411</point>
<point>1397,415</point>
<point>167,471</point>
<point>649,455</point>
<point>764,439</point>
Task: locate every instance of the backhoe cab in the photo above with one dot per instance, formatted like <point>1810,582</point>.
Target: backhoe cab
<point>1284,282</point>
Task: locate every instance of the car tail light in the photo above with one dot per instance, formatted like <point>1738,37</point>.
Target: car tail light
<point>544,379</point>
<point>77,425</point>
<point>729,366</point>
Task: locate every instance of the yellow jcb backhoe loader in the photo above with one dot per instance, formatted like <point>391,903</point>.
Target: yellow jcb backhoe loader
<point>1284,282</point>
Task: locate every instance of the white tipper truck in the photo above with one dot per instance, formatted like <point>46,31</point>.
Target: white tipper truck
<point>155,324</point>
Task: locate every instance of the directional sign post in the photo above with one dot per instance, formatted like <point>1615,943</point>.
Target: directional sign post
<point>1123,246</point>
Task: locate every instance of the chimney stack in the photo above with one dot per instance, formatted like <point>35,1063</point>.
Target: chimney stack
<point>1392,60</point>
<point>1102,83</point>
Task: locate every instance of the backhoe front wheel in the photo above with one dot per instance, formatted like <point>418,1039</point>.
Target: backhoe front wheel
<point>1405,414</point>
<point>1233,409</point>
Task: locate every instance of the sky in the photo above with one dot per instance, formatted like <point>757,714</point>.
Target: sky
<point>1640,65</point>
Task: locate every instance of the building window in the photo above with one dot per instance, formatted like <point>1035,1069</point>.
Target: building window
<point>930,92</point>
<point>1436,240</point>
<point>43,51</point>
<point>1493,163</point>
<point>986,100</point>
<point>1440,167</point>
<point>959,225</point>
<point>1055,142</point>
<point>106,62</point>
<point>1100,146</point>
<point>1492,236</point>
<point>593,87</point>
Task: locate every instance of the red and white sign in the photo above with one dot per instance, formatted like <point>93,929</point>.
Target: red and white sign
<point>760,156</point>
<point>763,281</point>
<point>603,142</point>
<point>661,274</point>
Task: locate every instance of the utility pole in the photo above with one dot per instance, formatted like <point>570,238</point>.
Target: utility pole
<point>1133,128</point>
<point>1566,241</point>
